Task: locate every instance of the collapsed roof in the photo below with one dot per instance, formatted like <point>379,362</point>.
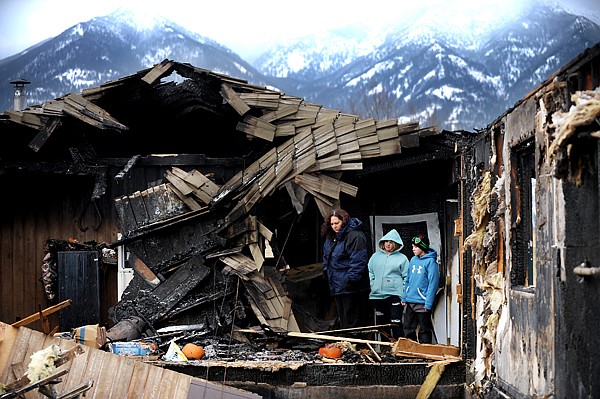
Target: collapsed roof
<point>174,229</point>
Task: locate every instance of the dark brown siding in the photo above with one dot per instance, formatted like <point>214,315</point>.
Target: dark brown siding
<point>40,208</point>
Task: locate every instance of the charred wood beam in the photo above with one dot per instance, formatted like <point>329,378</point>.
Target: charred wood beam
<point>198,302</point>
<point>398,163</point>
<point>155,304</point>
<point>157,227</point>
<point>69,167</point>
<point>127,167</point>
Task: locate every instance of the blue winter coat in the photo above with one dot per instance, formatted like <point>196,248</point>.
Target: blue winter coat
<point>346,262</point>
<point>423,278</point>
<point>387,272</point>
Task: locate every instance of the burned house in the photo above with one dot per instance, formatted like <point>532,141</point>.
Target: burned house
<point>181,197</point>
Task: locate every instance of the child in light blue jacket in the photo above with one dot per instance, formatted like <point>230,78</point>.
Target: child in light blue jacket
<point>388,268</point>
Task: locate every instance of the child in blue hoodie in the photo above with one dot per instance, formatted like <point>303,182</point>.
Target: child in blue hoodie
<point>388,268</point>
<point>421,288</point>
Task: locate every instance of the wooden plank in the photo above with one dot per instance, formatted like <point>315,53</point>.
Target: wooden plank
<point>138,380</point>
<point>429,131</point>
<point>336,338</point>
<point>280,113</point>
<point>234,99</point>
<point>106,378</point>
<point>344,129</point>
<point>170,291</point>
<point>168,384</point>
<point>330,188</point>
<point>351,156</point>
<point>93,368</point>
<point>434,375</point>
<point>8,336</point>
<point>127,221</point>
<point>208,186</point>
<point>349,189</point>
<point>408,127</point>
<point>257,255</point>
<point>346,166</point>
<point>190,202</point>
<point>317,195</point>
<point>14,116</point>
<point>203,196</point>
<point>154,204</point>
<point>365,126</point>
<point>124,377</point>
<point>266,178</point>
<point>178,183</point>
<point>409,140</point>
<point>326,163</point>
<point>387,133</point>
<point>44,313</point>
<point>153,383</point>
<point>349,148</point>
<point>257,302</point>
<point>83,109</point>
<point>323,206</point>
<point>143,270</point>
<point>17,355</point>
<point>346,138</point>
<point>262,100</point>
<point>327,147</point>
<point>246,239</point>
<point>44,134</point>
<point>285,130</point>
<point>268,159</point>
<point>183,387</point>
<point>241,264</point>
<point>77,369</point>
<point>79,280</point>
<point>138,207</point>
<point>32,119</point>
<point>366,140</point>
<point>264,231</point>
<point>405,345</point>
<point>158,71</point>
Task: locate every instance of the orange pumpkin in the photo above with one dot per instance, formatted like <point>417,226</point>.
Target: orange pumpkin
<point>193,351</point>
<point>330,351</point>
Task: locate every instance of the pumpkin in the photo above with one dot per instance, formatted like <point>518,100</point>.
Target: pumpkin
<point>330,351</point>
<point>193,351</point>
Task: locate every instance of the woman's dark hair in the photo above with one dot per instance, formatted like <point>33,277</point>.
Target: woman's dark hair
<point>326,226</point>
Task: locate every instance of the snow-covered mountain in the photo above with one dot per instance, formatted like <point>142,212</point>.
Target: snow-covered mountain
<point>422,68</point>
<point>107,48</point>
<point>424,71</point>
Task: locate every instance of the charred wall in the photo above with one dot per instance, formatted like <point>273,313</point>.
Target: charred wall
<point>535,226</point>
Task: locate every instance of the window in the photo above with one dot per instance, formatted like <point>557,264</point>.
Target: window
<point>523,270</point>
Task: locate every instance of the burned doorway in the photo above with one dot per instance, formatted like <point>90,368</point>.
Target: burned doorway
<point>427,224</point>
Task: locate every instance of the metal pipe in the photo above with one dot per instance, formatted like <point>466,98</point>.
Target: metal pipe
<point>585,270</point>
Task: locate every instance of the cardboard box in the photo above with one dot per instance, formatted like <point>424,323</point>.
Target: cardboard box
<point>91,335</point>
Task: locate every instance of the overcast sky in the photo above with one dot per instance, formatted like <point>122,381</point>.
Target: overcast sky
<point>242,25</point>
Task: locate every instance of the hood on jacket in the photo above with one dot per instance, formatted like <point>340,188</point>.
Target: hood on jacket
<point>430,254</point>
<point>391,235</point>
<point>353,224</point>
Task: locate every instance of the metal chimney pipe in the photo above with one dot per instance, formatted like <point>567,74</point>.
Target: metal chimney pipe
<point>20,94</point>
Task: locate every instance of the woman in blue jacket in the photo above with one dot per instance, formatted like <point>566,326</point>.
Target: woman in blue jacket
<point>388,268</point>
<point>421,288</point>
<point>345,265</point>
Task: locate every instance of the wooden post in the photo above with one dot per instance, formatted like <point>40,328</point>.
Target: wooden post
<point>42,314</point>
